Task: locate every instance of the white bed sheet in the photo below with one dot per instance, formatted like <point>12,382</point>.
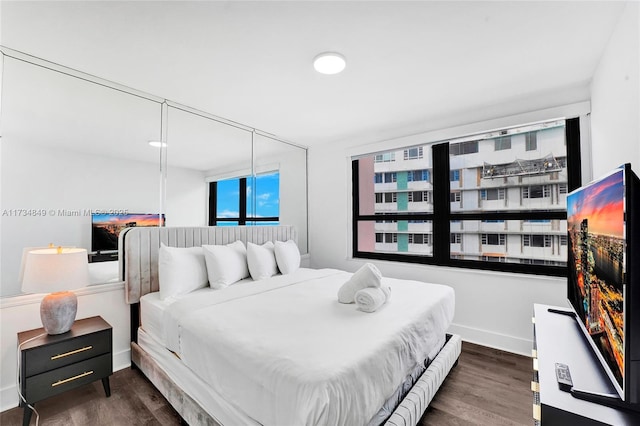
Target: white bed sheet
<point>153,308</point>
<point>287,353</point>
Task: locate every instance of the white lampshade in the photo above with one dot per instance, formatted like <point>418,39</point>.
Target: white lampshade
<point>51,270</point>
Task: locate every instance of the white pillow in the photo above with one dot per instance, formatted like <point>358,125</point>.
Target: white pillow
<point>287,256</point>
<point>226,264</point>
<point>261,260</point>
<point>180,270</point>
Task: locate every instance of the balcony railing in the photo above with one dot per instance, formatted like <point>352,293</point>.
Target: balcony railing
<point>539,166</point>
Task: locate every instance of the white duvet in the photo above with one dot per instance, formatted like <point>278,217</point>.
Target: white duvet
<point>285,352</point>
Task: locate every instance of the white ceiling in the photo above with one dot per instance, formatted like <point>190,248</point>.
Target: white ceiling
<point>408,63</point>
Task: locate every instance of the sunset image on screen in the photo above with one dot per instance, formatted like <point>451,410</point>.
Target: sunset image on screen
<point>596,226</point>
<point>107,227</point>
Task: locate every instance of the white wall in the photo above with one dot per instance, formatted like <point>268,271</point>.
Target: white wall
<point>615,98</point>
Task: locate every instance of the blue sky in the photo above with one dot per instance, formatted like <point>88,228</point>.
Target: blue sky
<point>266,188</point>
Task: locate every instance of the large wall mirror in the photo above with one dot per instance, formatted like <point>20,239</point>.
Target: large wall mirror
<point>74,145</point>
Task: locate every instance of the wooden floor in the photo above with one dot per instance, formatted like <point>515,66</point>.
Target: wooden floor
<point>487,387</point>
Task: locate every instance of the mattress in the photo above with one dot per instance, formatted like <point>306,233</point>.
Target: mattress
<point>284,351</point>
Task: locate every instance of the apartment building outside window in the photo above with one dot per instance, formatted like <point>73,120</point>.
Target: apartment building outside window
<point>468,147</point>
<point>492,194</point>
<point>387,157</point>
<point>413,153</point>
<point>418,175</point>
<point>494,239</point>
<point>531,142</point>
<point>515,183</point>
<point>503,142</point>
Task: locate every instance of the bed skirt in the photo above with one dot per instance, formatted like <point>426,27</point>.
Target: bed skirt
<point>408,413</point>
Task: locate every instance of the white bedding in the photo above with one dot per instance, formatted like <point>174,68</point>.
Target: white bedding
<point>287,353</point>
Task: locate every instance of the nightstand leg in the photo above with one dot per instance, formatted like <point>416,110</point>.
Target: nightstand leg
<point>105,385</point>
<point>26,418</point>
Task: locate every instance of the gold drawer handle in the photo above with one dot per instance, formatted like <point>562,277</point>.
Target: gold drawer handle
<point>536,412</point>
<point>86,348</point>
<point>70,379</point>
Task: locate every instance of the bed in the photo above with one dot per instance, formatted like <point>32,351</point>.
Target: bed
<point>282,350</point>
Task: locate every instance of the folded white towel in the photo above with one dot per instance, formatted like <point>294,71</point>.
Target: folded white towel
<point>367,276</point>
<point>372,298</point>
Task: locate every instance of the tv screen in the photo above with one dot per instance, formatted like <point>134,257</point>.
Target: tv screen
<point>599,263</point>
<point>105,228</point>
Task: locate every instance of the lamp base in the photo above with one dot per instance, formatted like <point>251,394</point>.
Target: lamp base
<point>58,311</point>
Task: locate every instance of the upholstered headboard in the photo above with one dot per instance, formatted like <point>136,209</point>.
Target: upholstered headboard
<point>139,248</point>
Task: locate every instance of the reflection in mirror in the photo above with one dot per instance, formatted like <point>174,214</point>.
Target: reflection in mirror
<point>200,149</point>
<point>70,148</point>
<point>287,163</point>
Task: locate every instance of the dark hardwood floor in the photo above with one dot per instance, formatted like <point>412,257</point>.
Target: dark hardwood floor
<point>487,387</point>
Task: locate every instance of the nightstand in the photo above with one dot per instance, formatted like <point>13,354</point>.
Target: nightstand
<point>50,365</point>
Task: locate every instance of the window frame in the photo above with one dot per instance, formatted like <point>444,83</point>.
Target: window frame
<point>442,216</point>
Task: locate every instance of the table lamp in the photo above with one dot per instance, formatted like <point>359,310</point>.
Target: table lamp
<point>56,271</point>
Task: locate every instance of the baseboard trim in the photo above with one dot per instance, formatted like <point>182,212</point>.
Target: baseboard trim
<point>9,395</point>
<point>494,340</point>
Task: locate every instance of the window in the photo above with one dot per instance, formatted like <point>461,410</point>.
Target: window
<point>494,239</point>
<point>502,143</point>
<point>390,238</point>
<point>390,177</point>
<point>507,213</point>
<point>562,188</point>
<point>462,148</point>
<point>418,196</point>
<point>231,202</point>
<point>536,191</point>
<point>413,153</point>
<point>492,194</point>
<point>387,157</point>
<point>494,258</point>
<point>377,178</point>
<point>390,197</point>
<point>536,240</point>
<point>418,175</point>
<point>531,141</point>
<point>419,239</point>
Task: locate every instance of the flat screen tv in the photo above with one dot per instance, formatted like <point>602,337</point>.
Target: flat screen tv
<point>603,220</point>
<point>105,228</point>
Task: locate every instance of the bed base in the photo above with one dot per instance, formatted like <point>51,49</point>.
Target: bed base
<point>408,412</point>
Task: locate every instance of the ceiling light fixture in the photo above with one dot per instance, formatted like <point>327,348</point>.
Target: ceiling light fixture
<point>157,144</point>
<point>329,63</point>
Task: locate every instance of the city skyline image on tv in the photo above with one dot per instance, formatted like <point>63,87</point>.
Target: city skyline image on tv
<point>105,228</point>
<point>596,227</point>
